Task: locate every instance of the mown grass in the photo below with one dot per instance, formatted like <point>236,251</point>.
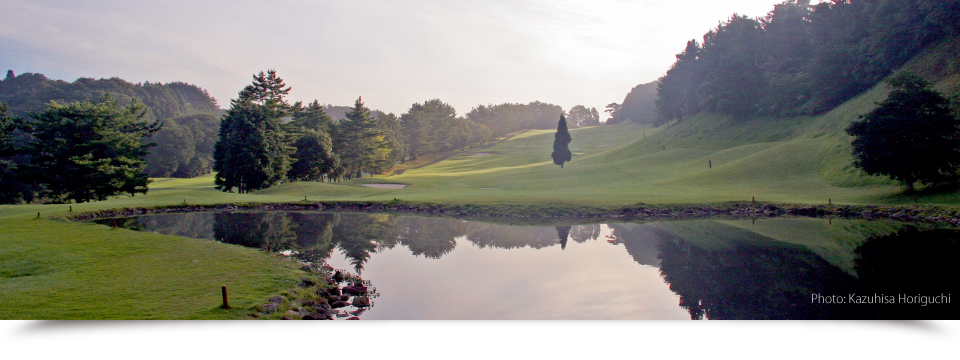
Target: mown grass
<point>54,269</point>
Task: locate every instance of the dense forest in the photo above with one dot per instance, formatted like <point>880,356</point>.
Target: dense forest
<point>800,59</point>
<point>638,106</point>
<point>189,114</point>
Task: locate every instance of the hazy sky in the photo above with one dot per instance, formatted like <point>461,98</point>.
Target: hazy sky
<point>391,52</point>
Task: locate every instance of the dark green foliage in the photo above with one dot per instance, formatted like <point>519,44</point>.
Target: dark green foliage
<point>189,113</point>
<point>252,151</point>
<point>911,136</point>
<point>581,116</point>
<point>433,127</point>
<point>800,59</point>
<point>314,157</point>
<point>390,125</point>
<point>10,185</point>
<point>423,125</point>
<point>506,118</point>
<point>89,151</point>
<point>561,142</point>
<point>313,116</point>
<point>361,144</point>
<point>30,92</point>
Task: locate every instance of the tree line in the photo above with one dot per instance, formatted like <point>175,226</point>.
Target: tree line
<point>189,114</point>
<point>800,59</point>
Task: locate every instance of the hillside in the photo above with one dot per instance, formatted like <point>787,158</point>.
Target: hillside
<point>704,159</point>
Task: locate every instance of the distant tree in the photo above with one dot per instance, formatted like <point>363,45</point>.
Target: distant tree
<point>911,136</point>
<point>252,151</point>
<point>392,130</point>
<point>580,116</point>
<point>362,144</point>
<point>561,151</point>
<point>313,116</point>
<point>87,151</point>
<point>506,118</point>
<point>614,110</point>
<point>639,104</point>
<point>425,126</point>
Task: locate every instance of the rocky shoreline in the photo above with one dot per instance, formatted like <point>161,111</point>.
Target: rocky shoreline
<point>320,297</point>
<point>562,213</point>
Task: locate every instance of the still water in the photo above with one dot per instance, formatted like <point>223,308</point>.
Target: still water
<point>438,268</point>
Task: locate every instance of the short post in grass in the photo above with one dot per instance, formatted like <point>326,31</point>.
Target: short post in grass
<point>71,208</point>
<point>829,201</point>
<point>710,164</point>
<point>753,199</point>
<point>38,214</point>
<point>223,291</point>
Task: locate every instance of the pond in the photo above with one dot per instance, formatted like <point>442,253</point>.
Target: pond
<point>441,268</point>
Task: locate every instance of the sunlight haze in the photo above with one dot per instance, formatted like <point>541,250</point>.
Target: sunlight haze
<point>393,53</point>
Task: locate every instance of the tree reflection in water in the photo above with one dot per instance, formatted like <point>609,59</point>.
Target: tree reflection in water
<point>313,237</point>
<point>775,280</point>
<point>718,271</point>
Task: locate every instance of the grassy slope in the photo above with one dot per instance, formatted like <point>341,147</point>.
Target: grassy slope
<point>56,269</point>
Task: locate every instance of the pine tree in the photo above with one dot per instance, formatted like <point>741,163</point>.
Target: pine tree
<point>361,142</point>
<point>561,151</point>
<point>252,151</point>
<point>87,151</point>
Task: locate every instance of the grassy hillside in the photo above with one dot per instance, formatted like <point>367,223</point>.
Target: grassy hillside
<point>57,269</point>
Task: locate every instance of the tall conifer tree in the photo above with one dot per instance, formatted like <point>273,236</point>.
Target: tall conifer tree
<point>361,143</point>
<point>561,141</point>
<point>252,152</point>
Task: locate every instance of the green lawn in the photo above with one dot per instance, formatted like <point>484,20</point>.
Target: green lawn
<point>64,270</point>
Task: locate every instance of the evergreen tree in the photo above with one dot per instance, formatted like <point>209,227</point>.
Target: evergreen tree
<point>561,152</point>
<point>90,150</point>
<point>9,182</point>
<point>911,136</point>
<point>252,151</point>
<point>361,142</point>
<point>314,157</point>
<point>389,124</point>
<point>313,116</point>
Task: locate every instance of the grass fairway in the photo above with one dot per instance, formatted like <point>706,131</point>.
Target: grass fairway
<point>55,269</point>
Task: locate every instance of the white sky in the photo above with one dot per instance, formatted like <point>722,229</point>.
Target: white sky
<point>393,53</point>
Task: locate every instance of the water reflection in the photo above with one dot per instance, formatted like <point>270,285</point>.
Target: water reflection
<point>767,269</point>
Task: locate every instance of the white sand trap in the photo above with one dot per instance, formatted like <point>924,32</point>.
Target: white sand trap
<point>386,186</point>
<point>480,154</point>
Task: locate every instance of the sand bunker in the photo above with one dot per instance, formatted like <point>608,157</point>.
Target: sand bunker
<point>386,186</point>
<point>480,154</point>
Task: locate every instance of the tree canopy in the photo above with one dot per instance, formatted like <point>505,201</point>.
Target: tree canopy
<point>362,144</point>
<point>581,116</point>
<point>911,136</point>
<point>561,141</point>
<point>85,151</point>
<point>190,114</point>
<point>252,151</point>
<point>800,59</point>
